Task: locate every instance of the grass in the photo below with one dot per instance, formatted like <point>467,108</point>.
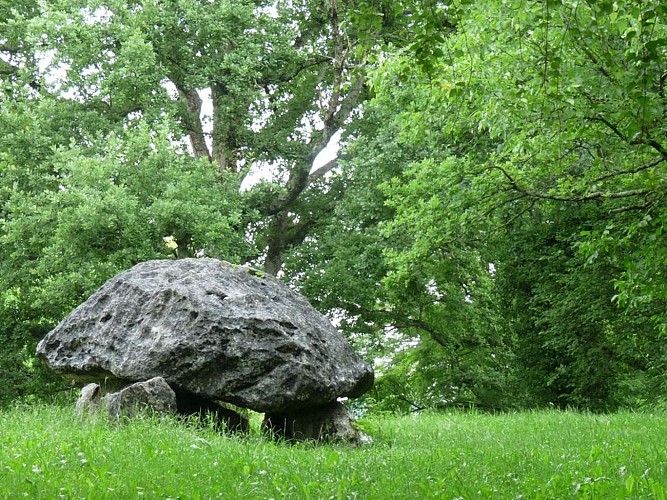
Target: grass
<point>46,453</point>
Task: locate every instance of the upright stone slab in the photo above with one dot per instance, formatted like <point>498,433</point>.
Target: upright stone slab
<point>89,400</point>
<point>210,329</point>
<point>330,422</point>
<point>153,395</point>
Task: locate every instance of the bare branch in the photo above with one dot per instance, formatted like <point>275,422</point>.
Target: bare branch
<point>421,325</point>
<point>336,120</point>
<point>611,126</point>
<point>635,141</point>
<point>596,195</point>
<point>629,171</point>
<point>655,145</point>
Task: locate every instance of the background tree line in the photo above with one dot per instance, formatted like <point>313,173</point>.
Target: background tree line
<point>491,231</point>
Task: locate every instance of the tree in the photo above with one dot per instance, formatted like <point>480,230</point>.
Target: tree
<point>111,156</point>
<point>282,80</point>
<point>547,119</point>
<point>389,263</point>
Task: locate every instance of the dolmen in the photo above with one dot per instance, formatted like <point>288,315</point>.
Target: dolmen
<point>202,336</point>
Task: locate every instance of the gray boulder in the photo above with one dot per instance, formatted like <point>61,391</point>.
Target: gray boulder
<point>89,400</point>
<point>153,395</point>
<point>211,330</point>
<point>330,422</point>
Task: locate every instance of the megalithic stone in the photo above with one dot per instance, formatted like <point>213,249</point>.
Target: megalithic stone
<point>208,328</point>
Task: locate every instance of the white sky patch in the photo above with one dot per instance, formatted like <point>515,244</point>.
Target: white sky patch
<point>101,15</point>
<point>432,289</point>
<point>170,88</point>
<point>54,74</point>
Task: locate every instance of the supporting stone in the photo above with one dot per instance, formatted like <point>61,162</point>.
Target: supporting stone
<point>330,423</point>
<point>89,400</point>
<point>153,395</point>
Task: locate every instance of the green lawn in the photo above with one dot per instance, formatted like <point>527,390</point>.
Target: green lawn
<point>46,453</point>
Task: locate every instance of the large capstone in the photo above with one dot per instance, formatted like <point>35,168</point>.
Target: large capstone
<point>210,329</point>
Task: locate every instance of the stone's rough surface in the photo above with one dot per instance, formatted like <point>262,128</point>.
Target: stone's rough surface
<point>208,328</point>
<point>89,400</point>
<point>154,395</point>
<point>330,422</point>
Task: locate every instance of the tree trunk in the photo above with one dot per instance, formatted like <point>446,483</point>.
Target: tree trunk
<point>277,244</point>
<point>193,123</point>
<point>274,260</point>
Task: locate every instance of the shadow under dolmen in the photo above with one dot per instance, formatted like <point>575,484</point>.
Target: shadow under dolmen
<point>326,423</point>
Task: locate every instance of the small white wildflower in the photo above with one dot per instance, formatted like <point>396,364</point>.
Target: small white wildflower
<point>36,469</point>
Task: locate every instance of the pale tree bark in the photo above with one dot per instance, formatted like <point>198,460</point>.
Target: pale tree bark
<point>193,122</point>
<point>334,113</point>
<point>339,89</point>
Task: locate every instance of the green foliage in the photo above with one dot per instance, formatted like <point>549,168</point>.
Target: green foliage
<point>77,216</point>
<point>492,234</point>
<point>575,348</point>
<point>530,222</point>
<point>394,273</point>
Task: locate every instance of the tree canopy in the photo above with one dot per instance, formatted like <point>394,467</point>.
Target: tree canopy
<point>490,233</point>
